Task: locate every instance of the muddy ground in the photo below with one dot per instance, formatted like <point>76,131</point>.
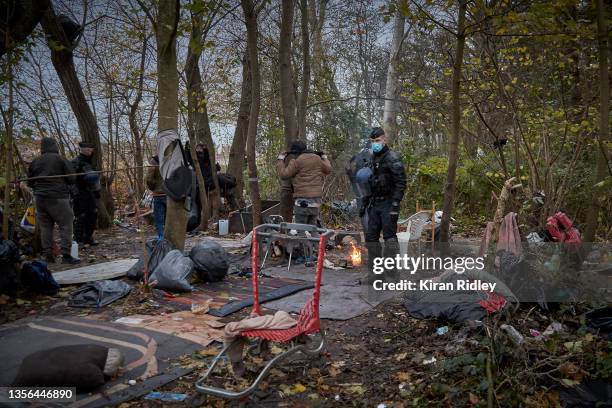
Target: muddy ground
<point>385,357</point>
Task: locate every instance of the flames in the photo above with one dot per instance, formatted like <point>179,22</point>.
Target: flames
<point>355,254</point>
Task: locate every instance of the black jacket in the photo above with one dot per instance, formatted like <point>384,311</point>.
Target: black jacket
<point>50,163</point>
<point>83,164</point>
<point>388,178</point>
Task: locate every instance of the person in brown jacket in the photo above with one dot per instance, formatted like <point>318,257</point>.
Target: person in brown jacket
<point>307,170</point>
<point>154,183</point>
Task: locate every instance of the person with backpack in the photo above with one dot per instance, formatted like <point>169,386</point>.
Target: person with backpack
<point>51,177</point>
<point>86,196</point>
<point>306,170</point>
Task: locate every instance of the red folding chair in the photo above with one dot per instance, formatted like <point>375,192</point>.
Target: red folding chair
<point>308,322</point>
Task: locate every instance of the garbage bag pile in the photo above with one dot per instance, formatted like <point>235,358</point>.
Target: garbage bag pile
<point>156,249</point>
<point>174,272</point>
<point>210,261</point>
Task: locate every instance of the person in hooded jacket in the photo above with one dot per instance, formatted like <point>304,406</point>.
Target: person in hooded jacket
<point>52,198</point>
<point>306,171</point>
<point>86,196</point>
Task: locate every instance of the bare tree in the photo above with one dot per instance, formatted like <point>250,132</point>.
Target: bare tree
<point>250,15</point>
<point>453,142</point>
<point>303,96</point>
<point>235,165</point>
<point>168,16</point>
<point>392,86</point>
<point>604,118</point>
<point>62,59</point>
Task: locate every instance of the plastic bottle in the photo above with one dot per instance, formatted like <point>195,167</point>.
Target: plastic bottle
<point>74,250</point>
<point>223,227</point>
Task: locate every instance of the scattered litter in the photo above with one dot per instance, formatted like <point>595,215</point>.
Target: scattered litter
<point>166,396</point>
<point>554,327</point>
<point>132,382</point>
<point>428,361</point>
<point>200,308</point>
<point>534,238</point>
<point>128,320</point>
<point>515,336</point>
<point>329,265</point>
<point>535,333</point>
<point>381,405</point>
<point>441,331</point>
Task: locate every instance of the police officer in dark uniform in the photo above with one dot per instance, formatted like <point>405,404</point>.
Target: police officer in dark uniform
<point>86,195</point>
<point>387,183</point>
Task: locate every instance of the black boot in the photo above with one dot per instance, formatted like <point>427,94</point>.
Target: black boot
<point>68,259</point>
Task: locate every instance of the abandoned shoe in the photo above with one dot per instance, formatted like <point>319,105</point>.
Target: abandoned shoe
<point>67,259</point>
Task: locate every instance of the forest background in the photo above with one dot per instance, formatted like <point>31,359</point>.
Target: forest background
<point>471,93</point>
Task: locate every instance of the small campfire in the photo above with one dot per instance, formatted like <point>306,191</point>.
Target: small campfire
<point>354,256</point>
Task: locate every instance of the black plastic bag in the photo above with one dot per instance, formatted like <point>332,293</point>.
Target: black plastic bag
<point>210,260</point>
<point>601,321</point>
<point>8,251</point>
<point>454,307</point>
<point>174,272</point>
<point>36,277</point>
<point>9,276</point>
<point>193,216</point>
<point>157,250</point>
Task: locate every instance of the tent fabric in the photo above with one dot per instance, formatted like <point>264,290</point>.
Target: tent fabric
<point>509,238</point>
<point>98,294</point>
<point>170,155</point>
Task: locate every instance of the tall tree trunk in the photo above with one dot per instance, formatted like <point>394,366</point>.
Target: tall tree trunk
<point>287,84</point>
<point>132,119</point>
<point>198,120</point>
<point>303,97</point>
<point>392,86</point>
<point>167,117</point>
<point>8,143</point>
<point>235,165</point>
<point>604,119</point>
<point>453,142</point>
<point>61,57</point>
<point>287,98</point>
<point>251,27</point>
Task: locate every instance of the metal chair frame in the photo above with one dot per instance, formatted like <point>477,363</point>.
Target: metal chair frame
<point>308,320</point>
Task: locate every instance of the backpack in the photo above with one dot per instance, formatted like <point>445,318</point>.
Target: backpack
<point>36,277</point>
<point>179,184</point>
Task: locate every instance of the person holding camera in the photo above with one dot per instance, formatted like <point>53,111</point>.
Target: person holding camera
<point>307,169</point>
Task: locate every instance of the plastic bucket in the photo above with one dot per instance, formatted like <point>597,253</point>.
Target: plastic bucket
<point>223,227</point>
<point>403,238</point>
